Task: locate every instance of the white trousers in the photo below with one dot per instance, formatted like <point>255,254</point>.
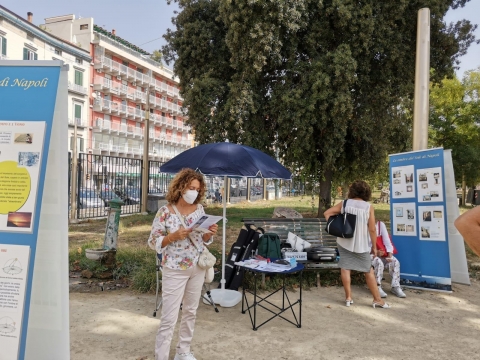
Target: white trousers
<point>393,266</point>
<point>179,287</point>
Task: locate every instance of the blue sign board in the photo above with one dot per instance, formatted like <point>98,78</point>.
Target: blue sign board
<point>419,218</point>
<point>27,105</point>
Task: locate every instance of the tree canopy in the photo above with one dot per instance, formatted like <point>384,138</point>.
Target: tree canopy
<point>321,82</point>
<point>455,123</point>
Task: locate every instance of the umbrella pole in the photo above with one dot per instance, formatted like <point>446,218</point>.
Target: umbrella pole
<point>224,234</point>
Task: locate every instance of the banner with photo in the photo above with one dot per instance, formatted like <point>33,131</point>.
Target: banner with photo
<point>418,218</point>
<point>28,103</point>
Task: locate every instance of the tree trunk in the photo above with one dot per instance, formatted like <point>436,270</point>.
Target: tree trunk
<point>325,193</point>
<point>464,190</point>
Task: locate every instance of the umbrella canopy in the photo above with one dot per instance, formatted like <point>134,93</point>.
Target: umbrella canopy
<point>227,159</point>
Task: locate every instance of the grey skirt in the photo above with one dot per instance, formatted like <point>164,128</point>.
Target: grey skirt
<point>354,261</point>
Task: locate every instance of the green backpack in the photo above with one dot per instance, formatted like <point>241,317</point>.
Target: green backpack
<point>269,246</point>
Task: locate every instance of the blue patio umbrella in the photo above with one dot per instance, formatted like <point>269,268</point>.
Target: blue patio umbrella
<point>227,160</point>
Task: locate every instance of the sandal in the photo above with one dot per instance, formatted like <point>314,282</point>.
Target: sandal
<point>348,302</point>
<point>384,306</point>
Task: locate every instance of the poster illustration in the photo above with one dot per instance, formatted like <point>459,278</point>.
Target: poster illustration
<point>403,185</point>
<point>21,144</point>
<point>404,219</point>
<point>13,279</point>
<point>429,183</point>
<point>431,222</point>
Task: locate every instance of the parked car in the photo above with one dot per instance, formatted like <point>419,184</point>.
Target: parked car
<point>133,196</point>
<point>89,199</point>
<point>107,195</point>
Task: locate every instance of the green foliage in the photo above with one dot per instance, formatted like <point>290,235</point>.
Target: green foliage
<point>156,56</point>
<point>455,123</point>
<point>327,83</point>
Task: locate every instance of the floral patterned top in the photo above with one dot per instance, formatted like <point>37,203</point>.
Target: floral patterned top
<point>181,254</point>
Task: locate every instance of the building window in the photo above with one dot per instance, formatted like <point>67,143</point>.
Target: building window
<point>58,52</point>
<point>77,111</point>
<point>78,78</point>
<point>29,54</point>
<point>3,46</point>
<point>125,63</point>
<point>84,27</point>
<point>79,61</point>
<point>80,144</point>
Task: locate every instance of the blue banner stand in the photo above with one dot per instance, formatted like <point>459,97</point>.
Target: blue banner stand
<point>421,225</point>
<point>33,115</point>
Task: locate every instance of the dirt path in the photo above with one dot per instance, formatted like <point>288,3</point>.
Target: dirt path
<point>426,325</point>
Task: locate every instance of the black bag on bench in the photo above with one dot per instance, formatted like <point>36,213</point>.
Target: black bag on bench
<point>321,253</point>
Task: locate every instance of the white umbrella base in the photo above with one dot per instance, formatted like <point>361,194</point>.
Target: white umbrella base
<point>225,297</point>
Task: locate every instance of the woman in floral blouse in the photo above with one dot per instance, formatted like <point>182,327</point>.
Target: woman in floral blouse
<point>182,279</point>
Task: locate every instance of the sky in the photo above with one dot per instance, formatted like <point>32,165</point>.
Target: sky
<point>143,22</point>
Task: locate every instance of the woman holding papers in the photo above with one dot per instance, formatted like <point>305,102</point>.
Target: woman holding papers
<point>182,279</point>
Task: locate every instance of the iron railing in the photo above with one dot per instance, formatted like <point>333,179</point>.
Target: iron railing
<point>101,178</point>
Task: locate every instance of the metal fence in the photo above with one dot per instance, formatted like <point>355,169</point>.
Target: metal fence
<point>103,178</point>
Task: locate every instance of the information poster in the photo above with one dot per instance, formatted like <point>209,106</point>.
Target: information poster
<point>33,201</point>
<point>418,219</point>
<point>432,223</point>
<point>14,261</point>
<point>404,219</point>
<point>21,146</point>
<point>430,185</point>
<point>403,185</point>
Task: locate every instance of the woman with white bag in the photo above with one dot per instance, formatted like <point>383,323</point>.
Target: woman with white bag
<point>182,278</point>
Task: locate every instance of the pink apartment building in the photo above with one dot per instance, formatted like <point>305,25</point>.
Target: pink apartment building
<point>125,83</point>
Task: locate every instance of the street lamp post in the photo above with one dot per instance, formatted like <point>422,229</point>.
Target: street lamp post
<point>73,190</point>
<point>145,166</point>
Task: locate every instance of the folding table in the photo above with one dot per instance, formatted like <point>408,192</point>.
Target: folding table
<point>264,303</point>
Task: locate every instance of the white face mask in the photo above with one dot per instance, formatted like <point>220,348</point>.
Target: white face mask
<point>190,196</point>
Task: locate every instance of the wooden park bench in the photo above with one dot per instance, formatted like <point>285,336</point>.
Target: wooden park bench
<point>309,229</point>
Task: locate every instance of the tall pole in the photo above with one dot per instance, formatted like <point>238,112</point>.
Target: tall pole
<point>422,81</point>
<point>145,168</point>
<point>73,190</point>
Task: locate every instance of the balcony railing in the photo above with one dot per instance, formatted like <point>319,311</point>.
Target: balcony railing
<point>77,88</point>
<point>3,57</point>
<point>79,122</point>
<point>130,112</point>
<point>139,113</point>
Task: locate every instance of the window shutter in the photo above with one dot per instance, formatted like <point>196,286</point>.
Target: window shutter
<point>78,78</point>
<point>81,144</point>
<point>25,54</point>
<point>78,111</point>
<point>71,143</point>
<point>4,46</point>
<point>35,56</point>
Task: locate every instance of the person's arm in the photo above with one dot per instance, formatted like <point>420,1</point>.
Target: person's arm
<point>468,225</point>
<point>334,210</point>
<point>158,232</point>
<point>159,238</point>
<point>372,230</point>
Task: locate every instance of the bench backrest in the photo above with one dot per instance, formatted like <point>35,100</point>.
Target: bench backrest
<point>309,229</point>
